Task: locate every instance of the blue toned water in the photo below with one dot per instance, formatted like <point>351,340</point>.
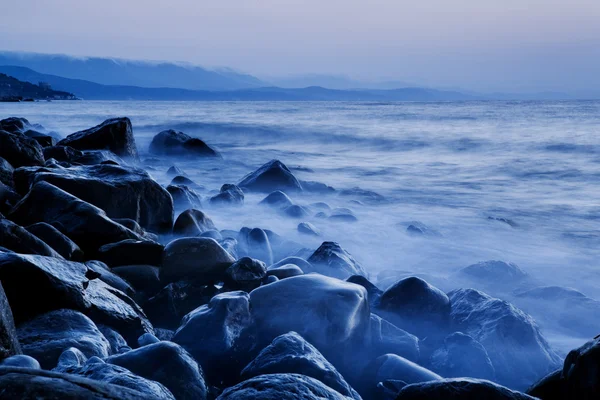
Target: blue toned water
<point>447,165</point>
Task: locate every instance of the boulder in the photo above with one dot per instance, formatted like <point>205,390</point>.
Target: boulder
<point>174,171</point>
<point>168,364</point>
<point>416,306</point>
<point>95,157</point>
<point>15,124</point>
<point>62,153</point>
<point>553,387</point>
<point>192,223</point>
<point>175,143</point>
<point>291,354</point>
<point>184,197</point>
<point>461,355</point>
<point>199,259</point>
<point>183,180</point>
<point>281,387</point>
<point>19,150</point>
<point>118,344</point>
<point>145,279</point>
<point>373,291</point>
<point>122,192</point>
<point>272,176</point>
<point>285,271</point>
<point>21,361</point>
<point>459,389</point>
<point>296,211</point>
<point>9,342</point>
<point>581,371</point>
<point>387,338</point>
<point>46,336</point>
<point>255,243</point>
<point>8,198</point>
<point>19,240</point>
<point>33,384</point>
<point>419,229</point>
<point>494,272</point>
<point>114,134</point>
<point>518,351</point>
<point>245,274</point>
<point>107,276</point>
<point>299,262</point>
<point>55,239</point>
<point>330,259</point>
<point>213,233</point>
<point>277,199</point>
<point>229,195</point>
<point>43,139</point>
<point>6,172</point>
<point>342,215</point>
<point>85,224</point>
<point>308,229</point>
<point>147,339</point>
<point>131,252</point>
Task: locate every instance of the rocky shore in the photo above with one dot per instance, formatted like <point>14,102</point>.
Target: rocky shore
<point>108,293</point>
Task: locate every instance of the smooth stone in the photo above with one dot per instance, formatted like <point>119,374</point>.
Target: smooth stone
<point>272,176</point>
<point>229,195</point>
<point>245,274</point>
<point>213,233</point>
<point>192,222</point>
<point>183,180</point>
<point>146,339</point>
<point>461,355</point>
<point>20,361</point>
<point>58,241</point>
<point>373,291</point>
<point>258,245</point>
<point>117,343</point>
<point>494,272</point>
<point>15,124</point>
<point>308,229</point>
<point>174,170</point>
<point>43,139</point>
<point>285,271</point>
<point>175,143</point>
<point>299,262</point>
<point>145,279</point>
<point>459,389</point>
<point>277,199</point>
<point>388,338</point>
<point>332,260</point>
<point>131,252</point>
<point>296,211</point>
<point>184,197</point>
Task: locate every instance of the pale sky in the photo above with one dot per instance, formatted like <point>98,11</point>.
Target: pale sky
<point>472,44</point>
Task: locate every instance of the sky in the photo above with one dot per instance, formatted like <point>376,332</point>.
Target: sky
<point>484,45</point>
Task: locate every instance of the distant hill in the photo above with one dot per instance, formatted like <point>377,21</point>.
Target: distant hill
<point>95,91</point>
<point>12,89</point>
<point>108,71</point>
<point>333,82</point>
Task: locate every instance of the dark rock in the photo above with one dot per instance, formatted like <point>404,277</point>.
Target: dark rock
<point>184,197</point>
<point>46,336</point>
<point>200,259</point>
<point>416,306</point>
<point>494,272</point>
<point>113,134</point>
<point>108,277</point>
<point>122,192</point>
<point>95,157</point>
<point>214,234</point>
<point>245,274</point>
<point>62,153</point>
<point>272,176</point>
<point>461,355</point>
<point>317,187</point>
<point>182,180</point>
<point>15,125</point>
<point>118,344</point>
<point>581,371</point>
<point>21,361</point>
<point>256,244</point>
<point>277,199</point>
<point>19,150</point>
<point>30,384</point>
<point>6,172</point>
<point>308,229</point>
<point>296,211</point>
<point>175,171</point>
<point>145,279</point>
<point>459,389</point>
<point>147,339</point>
<point>85,224</point>
<point>342,215</point>
<point>331,260</point>
<point>174,301</point>
<point>174,143</point>
<point>192,223</point>
<point>229,194</point>
<point>19,240</point>
<point>387,338</point>
<point>8,198</point>
<point>373,291</point>
<point>551,387</point>
<point>9,343</point>
<point>299,262</point>
<point>131,252</point>
<point>285,271</point>
<point>43,139</point>
<point>518,351</point>
<point>55,239</point>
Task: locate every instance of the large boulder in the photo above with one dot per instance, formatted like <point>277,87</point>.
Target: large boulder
<point>277,199</point>
<point>58,241</point>
<point>416,306</point>
<point>46,336</point>
<point>272,176</point>
<point>43,139</point>
<point>62,153</point>
<point>518,351</point>
<point>131,252</point>
<point>255,243</point>
<point>168,364</point>
<point>85,224</point>
<point>19,150</point>
<point>9,342</point>
<point>198,259</point>
<point>192,222</point>
<point>459,389</point>
<point>6,172</point>
<point>387,338</point>
<point>229,195</point>
<point>183,197</point>
<point>145,279</point>
<point>19,240</point>
<point>175,143</point>
<point>106,275</point>
<point>581,372</point>
<point>290,353</point>
<point>330,259</point>
<point>245,274</point>
<point>15,124</point>
<point>122,192</point>
<point>461,355</point>
<point>34,384</point>
<point>20,360</point>
<point>113,134</point>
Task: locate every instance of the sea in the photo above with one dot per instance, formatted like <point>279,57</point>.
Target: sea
<point>516,181</point>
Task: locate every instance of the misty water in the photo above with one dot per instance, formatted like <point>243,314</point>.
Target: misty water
<point>450,166</point>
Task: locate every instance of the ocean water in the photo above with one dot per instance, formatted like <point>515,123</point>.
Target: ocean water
<point>450,166</point>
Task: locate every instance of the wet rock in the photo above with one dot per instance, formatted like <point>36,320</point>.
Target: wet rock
<point>229,194</point>
<point>332,260</point>
<point>46,336</point>
<point>230,245</point>
<point>214,234</point>
<point>175,143</point>
<point>255,243</point>
<point>9,342</point>
<point>459,389</point>
<point>272,176</point>
<point>342,215</point>
<point>95,157</point>
<point>62,153</point>
<point>373,291</point>
<point>388,338</point>
<point>277,199</point>
<point>184,197</point>
<point>122,192</point>
<point>15,125</point>
<point>20,361</point>
<point>131,252</point>
<point>43,139</point>
<point>518,351</point>
<point>285,271</point>
<point>416,306</point>
<point>296,211</point>
<point>494,272</point>
<point>145,279</point>
<point>580,372</point>
<point>183,180</point>
<point>192,222</point>
<point>19,240</point>
<point>461,355</point>
<point>85,224</point>
<point>299,262</point>
<point>19,150</point>
<point>245,274</point>
<point>291,354</point>
<point>281,387</point>
<point>55,239</point>
<point>308,229</point>
<point>199,259</point>
<point>118,344</point>
<point>26,384</point>
<point>113,134</point>
<point>147,339</point>
<point>6,172</point>
<point>107,276</point>
<point>174,171</point>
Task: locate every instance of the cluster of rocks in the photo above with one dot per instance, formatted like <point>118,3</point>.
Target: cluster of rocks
<point>105,294</point>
